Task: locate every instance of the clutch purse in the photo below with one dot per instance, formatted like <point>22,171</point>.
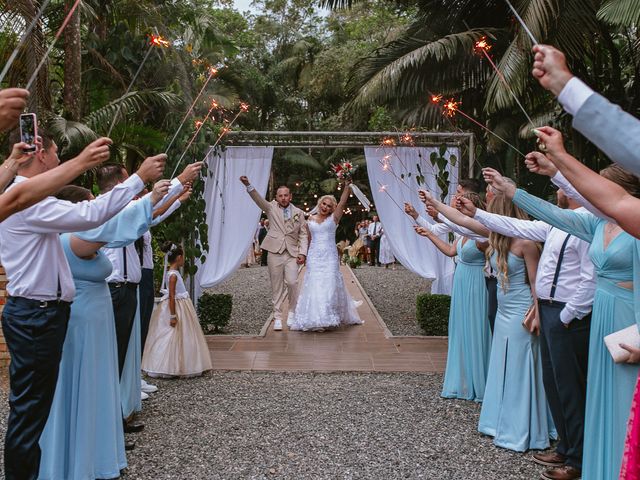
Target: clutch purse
<point>629,336</point>
<point>527,323</point>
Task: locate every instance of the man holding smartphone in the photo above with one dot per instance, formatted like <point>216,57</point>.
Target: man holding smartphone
<point>41,289</point>
<point>12,103</point>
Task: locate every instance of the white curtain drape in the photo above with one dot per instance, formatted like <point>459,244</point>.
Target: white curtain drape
<point>232,217</point>
<point>393,176</point>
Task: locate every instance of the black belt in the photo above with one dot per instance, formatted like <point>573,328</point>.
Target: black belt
<point>123,284</point>
<point>31,303</point>
<point>551,301</point>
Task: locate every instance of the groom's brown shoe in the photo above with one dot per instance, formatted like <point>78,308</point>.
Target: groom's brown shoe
<point>550,459</point>
<point>562,473</point>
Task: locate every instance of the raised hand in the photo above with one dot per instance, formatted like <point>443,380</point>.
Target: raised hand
<point>151,169</point>
<point>186,193</point>
<point>190,173</point>
<point>409,210</point>
<point>245,180</point>
<point>552,139</point>
<point>538,163</point>
<point>19,158</point>
<point>423,232</point>
<point>466,206</point>
<point>160,189</point>
<point>550,68</point>
<point>426,197</point>
<point>95,153</point>
<point>498,182</point>
<point>433,213</point>
<point>12,102</point>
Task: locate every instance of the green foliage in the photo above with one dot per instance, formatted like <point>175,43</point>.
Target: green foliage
<point>353,262</point>
<point>214,311</point>
<point>432,313</point>
<point>381,121</point>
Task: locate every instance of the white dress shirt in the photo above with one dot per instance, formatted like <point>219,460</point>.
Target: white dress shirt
<point>374,229</point>
<point>576,283</point>
<point>447,226</point>
<point>574,94</point>
<point>30,246</point>
<point>570,191</point>
<point>147,249</point>
<point>134,267</point>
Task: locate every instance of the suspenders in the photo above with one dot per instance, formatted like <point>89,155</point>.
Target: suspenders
<point>554,285</point>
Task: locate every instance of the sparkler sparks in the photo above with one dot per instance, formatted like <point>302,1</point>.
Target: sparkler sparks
<point>158,41</point>
<point>436,99</point>
<point>388,142</point>
<point>451,107</point>
<point>482,46</point>
<point>407,139</point>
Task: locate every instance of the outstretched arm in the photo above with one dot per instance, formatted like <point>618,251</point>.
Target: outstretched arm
<point>454,215</point>
<point>342,204</point>
<point>611,199</point>
<point>255,196</point>
<point>449,249</point>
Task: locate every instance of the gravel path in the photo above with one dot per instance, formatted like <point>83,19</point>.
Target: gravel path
<point>313,426</point>
<point>393,293</point>
<point>251,292</point>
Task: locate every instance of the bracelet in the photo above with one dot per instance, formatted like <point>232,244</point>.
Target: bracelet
<point>173,316</point>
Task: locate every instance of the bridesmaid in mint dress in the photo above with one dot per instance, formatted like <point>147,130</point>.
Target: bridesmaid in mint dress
<point>515,410</point>
<point>469,332</point>
<point>469,344</point>
<point>610,386</point>
<point>83,437</point>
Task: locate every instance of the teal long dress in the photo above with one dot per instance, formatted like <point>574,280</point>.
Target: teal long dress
<point>469,333</point>
<point>610,386</point>
<point>515,410</point>
<point>83,438</point>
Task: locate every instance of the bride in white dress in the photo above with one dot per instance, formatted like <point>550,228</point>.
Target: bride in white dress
<point>324,301</point>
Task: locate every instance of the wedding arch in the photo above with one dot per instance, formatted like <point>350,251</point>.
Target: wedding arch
<point>404,163</point>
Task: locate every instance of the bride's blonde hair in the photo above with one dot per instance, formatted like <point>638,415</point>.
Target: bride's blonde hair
<point>331,199</point>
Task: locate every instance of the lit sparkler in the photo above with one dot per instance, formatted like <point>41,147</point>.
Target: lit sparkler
<point>452,107</point>
<point>154,41</point>
<point>388,142</point>
<point>482,47</point>
<point>436,99</point>
<point>22,41</point>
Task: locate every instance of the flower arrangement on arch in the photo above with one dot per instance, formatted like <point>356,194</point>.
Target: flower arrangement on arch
<point>343,170</point>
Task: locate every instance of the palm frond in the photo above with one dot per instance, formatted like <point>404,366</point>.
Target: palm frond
<point>621,12</point>
<point>71,137</point>
<point>300,158</point>
<point>131,104</point>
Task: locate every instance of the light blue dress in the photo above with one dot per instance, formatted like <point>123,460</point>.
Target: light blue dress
<point>83,438</point>
<point>514,410</point>
<point>610,386</point>
<point>469,333</point>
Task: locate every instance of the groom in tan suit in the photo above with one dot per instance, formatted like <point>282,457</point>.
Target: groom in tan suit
<point>287,241</point>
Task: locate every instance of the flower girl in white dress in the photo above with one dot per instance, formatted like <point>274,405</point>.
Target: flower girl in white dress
<point>324,301</point>
<point>175,343</point>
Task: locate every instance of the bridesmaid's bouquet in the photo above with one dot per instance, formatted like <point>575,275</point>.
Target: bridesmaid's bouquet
<point>343,170</point>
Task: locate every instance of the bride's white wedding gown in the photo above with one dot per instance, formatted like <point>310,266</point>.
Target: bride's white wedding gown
<point>324,301</point>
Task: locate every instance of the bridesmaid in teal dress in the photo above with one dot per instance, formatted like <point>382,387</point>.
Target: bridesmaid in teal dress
<point>469,343</point>
<point>610,386</point>
<point>83,437</point>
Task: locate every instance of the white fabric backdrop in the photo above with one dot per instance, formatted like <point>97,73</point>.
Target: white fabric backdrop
<point>416,253</point>
<point>232,217</point>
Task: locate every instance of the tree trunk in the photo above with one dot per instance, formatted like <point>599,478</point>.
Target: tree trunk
<point>72,96</point>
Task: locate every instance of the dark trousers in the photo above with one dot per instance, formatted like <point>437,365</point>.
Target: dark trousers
<point>492,290</point>
<point>564,354</point>
<point>263,257</point>
<point>124,298</point>
<point>35,335</point>
<point>147,300</point>
<point>375,251</point>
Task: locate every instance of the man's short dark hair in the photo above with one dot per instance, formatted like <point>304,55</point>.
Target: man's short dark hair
<point>73,194</point>
<point>283,186</point>
<point>471,185</point>
<point>108,176</point>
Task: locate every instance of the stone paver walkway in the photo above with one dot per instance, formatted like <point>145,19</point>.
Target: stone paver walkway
<point>368,348</point>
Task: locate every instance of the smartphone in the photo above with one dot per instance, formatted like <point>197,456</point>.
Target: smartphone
<point>29,131</point>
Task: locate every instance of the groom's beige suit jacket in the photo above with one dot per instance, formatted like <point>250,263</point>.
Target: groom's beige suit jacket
<point>283,235</point>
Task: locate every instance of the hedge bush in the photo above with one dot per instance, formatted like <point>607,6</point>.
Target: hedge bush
<point>353,262</point>
<point>432,314</point>
<point>214,311</point>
